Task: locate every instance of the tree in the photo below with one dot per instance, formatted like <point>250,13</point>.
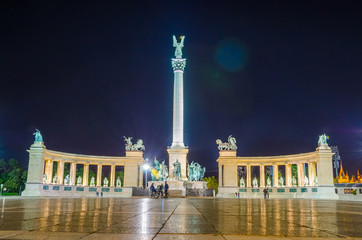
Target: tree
<point>212,182</point>
<point>12,175</point>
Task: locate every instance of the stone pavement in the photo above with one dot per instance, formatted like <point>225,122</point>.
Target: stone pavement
<point>190,218</point>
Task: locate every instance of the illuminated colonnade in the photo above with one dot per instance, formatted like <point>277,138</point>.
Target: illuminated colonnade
<point>41,161</point>
<point>319,170</point>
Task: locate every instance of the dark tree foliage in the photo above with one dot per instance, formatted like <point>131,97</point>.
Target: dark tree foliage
<point>12,175</point>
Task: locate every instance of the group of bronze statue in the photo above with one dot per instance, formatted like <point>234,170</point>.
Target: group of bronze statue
<point>160,171</point>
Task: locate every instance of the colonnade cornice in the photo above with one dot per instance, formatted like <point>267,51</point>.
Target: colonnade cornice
<point>61,156</point>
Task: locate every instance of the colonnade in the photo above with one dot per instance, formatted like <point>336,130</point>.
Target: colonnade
<point>41,161</point>
<point>318,163</point>
<point>72,176</point>
<point>301,170</point>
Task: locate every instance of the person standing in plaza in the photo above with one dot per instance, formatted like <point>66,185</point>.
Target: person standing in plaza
<point>265,191</point>
<point>166,189</point>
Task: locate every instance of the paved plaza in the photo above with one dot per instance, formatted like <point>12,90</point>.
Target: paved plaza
<point>178,218</point>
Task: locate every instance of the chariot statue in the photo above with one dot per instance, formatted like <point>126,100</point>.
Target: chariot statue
<point>38,137</point>
<point>44,178</point>
<point>138,146</point>
<point>118,182</point>
<point>242,182</point>
<point>230,145</point>
<point>178,46</point>
<point>268,182</point>
<point>105,182</point>
<point>79,180</point>
<point>294,181</point>
<point>281,181</point>
<point>55,179</point>
<point>255,182</point>
<point>66,180</point>
<point>177,170</point>
<point>92,182</point>
<point>306,181</point>
<point>322,140</point>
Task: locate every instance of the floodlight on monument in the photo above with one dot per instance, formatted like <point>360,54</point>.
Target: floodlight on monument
<point>146,166</point>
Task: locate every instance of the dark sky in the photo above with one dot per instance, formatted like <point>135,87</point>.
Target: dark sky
<point>274,74</point>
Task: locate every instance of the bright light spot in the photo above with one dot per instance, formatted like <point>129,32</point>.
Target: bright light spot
<point>146,166</point>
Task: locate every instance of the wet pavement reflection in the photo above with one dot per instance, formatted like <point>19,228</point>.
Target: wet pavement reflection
<point>142,218</point>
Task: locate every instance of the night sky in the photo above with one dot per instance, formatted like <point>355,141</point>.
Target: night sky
<point>274,74</point>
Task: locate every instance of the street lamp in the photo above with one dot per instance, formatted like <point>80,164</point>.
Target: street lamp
<point>146,167</point>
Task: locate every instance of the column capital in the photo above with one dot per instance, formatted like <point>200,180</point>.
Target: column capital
<point>178,64</point>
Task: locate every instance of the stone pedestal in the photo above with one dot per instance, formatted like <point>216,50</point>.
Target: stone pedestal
<point>179,154</point>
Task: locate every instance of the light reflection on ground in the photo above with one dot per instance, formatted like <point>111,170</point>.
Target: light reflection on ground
<point>142,218</point>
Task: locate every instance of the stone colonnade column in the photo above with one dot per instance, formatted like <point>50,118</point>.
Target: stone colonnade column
<point>300,174</point>
<point>140,176</point>
<point>248,176</point>
<point>60,172</point>
<point>262,176</point>
<point>99,175</point>
<point>49,170</point>
<point>311,173</point>
<point>288,175</point>
<point>275,175</point>
<point>85,174</point>
<point>73,170</point>
<point>220,175</point>
<point>113,173</point>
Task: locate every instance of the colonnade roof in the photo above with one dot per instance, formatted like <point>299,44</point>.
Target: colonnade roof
<point>269,160</point>
<point>62,156</point>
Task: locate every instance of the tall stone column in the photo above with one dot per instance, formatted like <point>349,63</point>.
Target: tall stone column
<point>178,151</point>
<point>275,176</point>
<point>73,171</point>
<point>248,176</point>
<point>262,176</point>
<point>99,175</point>
<point>300,167</point>
<point>288,175</point>
<point>85,174</point>
<point>113,173</point>
<point>60,172</point>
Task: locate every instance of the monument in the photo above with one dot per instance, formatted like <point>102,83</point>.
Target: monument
<point>182,177</point>
<point>313,177</point>
<point>178,151</point>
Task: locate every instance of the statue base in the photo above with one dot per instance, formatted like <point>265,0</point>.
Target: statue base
<point>179,188</point>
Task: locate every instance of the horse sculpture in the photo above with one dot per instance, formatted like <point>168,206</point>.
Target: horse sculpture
<point>229,146</point>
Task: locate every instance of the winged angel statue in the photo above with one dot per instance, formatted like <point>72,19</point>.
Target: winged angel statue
<point>178,46</point>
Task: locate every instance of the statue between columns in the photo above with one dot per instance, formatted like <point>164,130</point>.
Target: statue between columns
<point>178,46</point>
<point>138,146</point>
<point>66,180</point>
<point>230,145</point>
<point>79,180</point>
<point>242,182</point>
<point>105,182</point>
